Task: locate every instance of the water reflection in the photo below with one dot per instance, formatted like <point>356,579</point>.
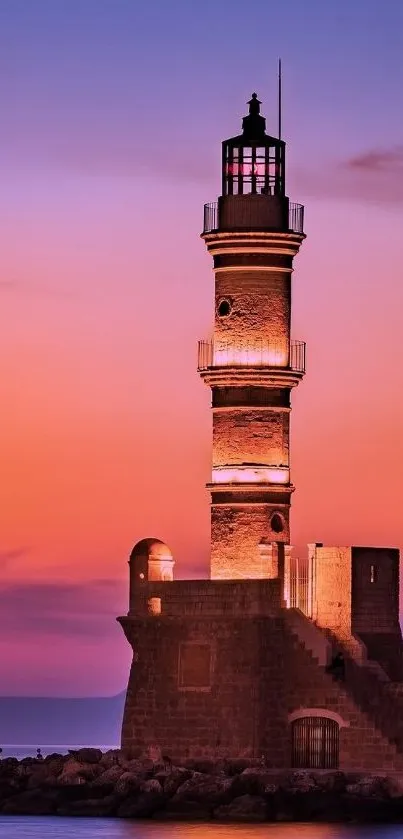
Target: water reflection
<point>17,827</point>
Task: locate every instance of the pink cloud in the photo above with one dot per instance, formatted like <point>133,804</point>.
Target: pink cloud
<point>373,176</point>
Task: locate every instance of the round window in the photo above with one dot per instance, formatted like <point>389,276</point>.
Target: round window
<point>224,308</point>
<point>276,523</point>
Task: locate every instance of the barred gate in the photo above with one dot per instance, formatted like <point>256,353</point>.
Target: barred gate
<point>299,583</point>
<point>315,743</point>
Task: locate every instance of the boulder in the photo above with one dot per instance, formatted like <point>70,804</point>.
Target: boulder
<point>112,757</point>
<point>74,771</point>
<point>86,755</point>
<point>369,786</point>
<point>109,776</point>
<point>210,790</point>
<point>299,781</point>
<point>251,781</point>
<point>245,808</point>
<point>151,786</point>
<point>30,803</point>
<point>141,806</point>
<point>91,807</point>
<point>173,779</point>
<point>184,810</point>
<point>330,781</point>
<point>127,784</point>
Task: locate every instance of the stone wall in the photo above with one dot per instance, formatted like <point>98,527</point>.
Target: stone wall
<point>236,533</point>
<point>332,589</point>
<point>251,436</point>
<point>222,679</point>
<point>205,714</point>
<point>261,307</point>
<point>375,590</point>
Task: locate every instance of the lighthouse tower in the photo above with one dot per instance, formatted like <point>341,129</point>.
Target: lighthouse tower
<point>251,364</point>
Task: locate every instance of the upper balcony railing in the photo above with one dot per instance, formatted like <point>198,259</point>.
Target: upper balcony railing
<point>294,222</point>
<point>260,354</point>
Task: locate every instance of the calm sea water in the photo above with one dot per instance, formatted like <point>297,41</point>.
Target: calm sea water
<point>17,827</point>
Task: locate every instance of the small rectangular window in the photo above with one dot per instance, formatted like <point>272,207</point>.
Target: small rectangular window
<point>194,666</point>
<point>373,573</point>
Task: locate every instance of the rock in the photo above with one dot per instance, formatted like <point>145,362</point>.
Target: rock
<point>86,755</point>
<point>141,806</point>
<point>74,771</point>
<point>54,756</point>
<point>301,781</point>
<point>112,757</point>
<point>109,776</point>
<point>127,784</point>
<point>142,768</point>
<point>251,781</point>
<point>245,808</point>
<point>171,781</point>
<point>371,786</point>
<point>30,803</point>
<point>151,786</point>
<point>207,767</point>
<point>330,781</point>
<point>184,810</point>
<point>91,807</point>
<point>209,789</point>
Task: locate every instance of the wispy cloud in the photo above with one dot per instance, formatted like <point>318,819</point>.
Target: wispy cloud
<point>374,176</point>
<point>380,161</point>
<point>60,608</point>
<point>9,555</point>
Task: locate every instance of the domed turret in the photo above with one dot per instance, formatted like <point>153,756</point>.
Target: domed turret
<point>151,560</point>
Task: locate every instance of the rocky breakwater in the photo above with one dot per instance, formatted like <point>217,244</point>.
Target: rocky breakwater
<point>89,783</point>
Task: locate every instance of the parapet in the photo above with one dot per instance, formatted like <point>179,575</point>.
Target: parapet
<point>207,598</point>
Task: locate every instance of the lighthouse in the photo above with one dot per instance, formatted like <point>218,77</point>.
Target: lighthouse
<point>253,232</point>
<point>259,661</point>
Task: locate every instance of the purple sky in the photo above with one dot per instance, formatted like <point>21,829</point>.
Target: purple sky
<point>113,112</point>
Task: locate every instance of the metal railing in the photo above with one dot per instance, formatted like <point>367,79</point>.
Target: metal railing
<point>210,221</point>
<point>295,219</point>
<point>258,354</point>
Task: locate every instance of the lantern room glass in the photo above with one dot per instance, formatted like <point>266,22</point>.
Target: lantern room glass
<point>253,169</point>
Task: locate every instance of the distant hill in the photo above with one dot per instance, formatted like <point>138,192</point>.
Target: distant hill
<point>45,721</point>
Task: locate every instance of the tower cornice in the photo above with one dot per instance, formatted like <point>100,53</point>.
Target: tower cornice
<point>226,376</point>
<point>253,241</point>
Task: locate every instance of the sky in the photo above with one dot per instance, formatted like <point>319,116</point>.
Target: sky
<point>112,116</point>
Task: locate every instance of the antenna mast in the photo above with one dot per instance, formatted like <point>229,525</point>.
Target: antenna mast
<point>279,99</point>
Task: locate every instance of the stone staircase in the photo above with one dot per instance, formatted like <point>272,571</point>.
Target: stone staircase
<point>365,699</point>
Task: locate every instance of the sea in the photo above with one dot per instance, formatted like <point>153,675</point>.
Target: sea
<point>54,827</point>
<point>50,827</point>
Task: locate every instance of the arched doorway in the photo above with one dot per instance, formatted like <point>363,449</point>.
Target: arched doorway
<point>315,743</point>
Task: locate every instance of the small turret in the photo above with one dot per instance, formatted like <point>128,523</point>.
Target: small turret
<point>150,561</point>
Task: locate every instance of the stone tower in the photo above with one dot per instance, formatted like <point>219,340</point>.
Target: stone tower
<point>253,233</point>
<point>306,675</point>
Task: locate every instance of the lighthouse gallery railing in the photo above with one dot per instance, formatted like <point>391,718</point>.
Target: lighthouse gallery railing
<point>260,354</point>
<point>295,217</point>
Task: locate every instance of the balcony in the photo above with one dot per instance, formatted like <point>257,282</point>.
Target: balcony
<point>267,354</point>
<point>254,212</point>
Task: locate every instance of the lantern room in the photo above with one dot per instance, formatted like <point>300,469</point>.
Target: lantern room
<point>253,163</point>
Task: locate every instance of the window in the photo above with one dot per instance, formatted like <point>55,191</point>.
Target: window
<point>194,666</point>
<point>276,523</point>
<point>224,308</point>
<point>315,743</point>
<point>373,573</point>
